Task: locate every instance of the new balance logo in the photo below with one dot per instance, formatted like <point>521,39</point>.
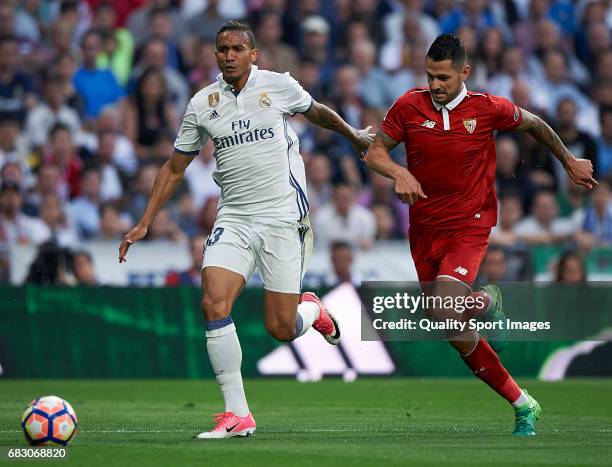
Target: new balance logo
<point>428,124</point>
<point>214,115</point>
<point>461,270</point>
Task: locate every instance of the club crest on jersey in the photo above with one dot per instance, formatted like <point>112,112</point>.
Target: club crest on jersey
<point>264,100</point>
<point>470,124</point>
<point>213,99</point>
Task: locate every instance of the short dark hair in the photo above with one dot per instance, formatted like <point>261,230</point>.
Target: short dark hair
<point>234,25</point>
<point>448,47</point>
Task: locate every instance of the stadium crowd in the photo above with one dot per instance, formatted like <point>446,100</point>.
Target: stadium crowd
<point>92,92</point>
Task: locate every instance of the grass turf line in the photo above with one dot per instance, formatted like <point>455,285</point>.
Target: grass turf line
<point>396,421</point>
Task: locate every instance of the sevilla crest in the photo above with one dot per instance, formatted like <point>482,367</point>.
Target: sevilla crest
<point>470,124</point>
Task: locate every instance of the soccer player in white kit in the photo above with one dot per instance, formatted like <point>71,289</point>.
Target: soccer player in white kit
<point>262,216</point>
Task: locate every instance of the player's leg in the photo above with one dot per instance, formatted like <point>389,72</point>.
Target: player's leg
<point>227,265</point>
<point>456,274</point>
<point>282,257</point>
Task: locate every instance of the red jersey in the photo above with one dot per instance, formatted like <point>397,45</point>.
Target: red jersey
<point>451,152</point>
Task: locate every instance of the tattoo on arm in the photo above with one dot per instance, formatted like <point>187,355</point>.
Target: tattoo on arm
<point>325,117</point>
<point>384,139</point>
<point>543,133</point>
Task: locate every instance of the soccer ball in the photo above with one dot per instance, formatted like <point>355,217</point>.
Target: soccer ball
<point>49,420</point>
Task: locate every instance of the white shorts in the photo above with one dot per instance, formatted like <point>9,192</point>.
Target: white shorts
<point>280,250</point>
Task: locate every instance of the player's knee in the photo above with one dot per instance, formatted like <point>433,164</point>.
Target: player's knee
<point>281,331</point>
<point>215,308</point>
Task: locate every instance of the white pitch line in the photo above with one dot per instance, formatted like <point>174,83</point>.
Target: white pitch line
<point>322,430</point>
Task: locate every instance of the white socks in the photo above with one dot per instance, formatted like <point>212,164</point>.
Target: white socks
<point>307,313</point>
<point>225,357</point>
<point>523,399</point>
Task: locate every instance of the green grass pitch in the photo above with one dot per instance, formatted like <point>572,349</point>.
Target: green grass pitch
<point>371,422</point>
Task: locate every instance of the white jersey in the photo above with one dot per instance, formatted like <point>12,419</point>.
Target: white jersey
<point>259,167</point>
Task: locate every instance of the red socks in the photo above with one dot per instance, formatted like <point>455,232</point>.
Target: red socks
<point>485,364</point>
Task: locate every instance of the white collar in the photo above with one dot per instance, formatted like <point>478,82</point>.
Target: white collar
<point>454,103</point>
<point>228,87</point>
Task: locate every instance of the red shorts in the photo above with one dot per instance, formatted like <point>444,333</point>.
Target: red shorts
<point>450,253</point>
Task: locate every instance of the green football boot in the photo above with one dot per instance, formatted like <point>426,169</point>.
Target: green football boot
<point>498,338</point>
<point>525,417</point>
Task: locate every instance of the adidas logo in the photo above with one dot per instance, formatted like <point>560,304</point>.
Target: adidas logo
<point>214,115</point>
<point>428,124</point>
<point>461,270</point>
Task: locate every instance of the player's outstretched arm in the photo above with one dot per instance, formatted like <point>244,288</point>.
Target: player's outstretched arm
<point>168,178</point>
<point>407,188</point>
<point>325,117</point>
<point>580,171</point>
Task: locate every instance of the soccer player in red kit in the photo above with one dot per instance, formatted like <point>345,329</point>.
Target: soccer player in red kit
<point>449,183</point>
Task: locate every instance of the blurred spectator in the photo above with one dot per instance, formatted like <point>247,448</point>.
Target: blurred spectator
<point>155,55</point>
<point>510,213</point>
<point>48,112</point>
<point>316,46</point>
<point>597,226</point>
<point>12,145</point>
<point>51,266</point>
<point>139,21</point>
<point>161,29</point>
<point>149,112</point>
<point>147,173</point>
<point>604,143</point>
<point>84,210</point>
<point>63,154</point>
<point>57,229</point>
<point>15,226</point>
<point>391,214</point>
<point>318,181</point>
<point>65,67</point>
<point>494,265</point>
<point>47,184</point>
<point>192,276</point>
<point>16,89</point>
<point>199,176</point>
<point>164,227</point>
<point>349,104</point>
<point>344,219</point>
<point>117,42</point>
<point>372,84</point>
<point>96,86</point>
<point>110,188</point>
<point>205,24</point>
<point>269,32</point>
<point>544,226</point>
<point>473,13</point>
<point>112,224</point>
<point>555,86</point>
<point>394,22</point>
<point>509,177</point>
<point>571,268</point>
<point>83,268</point>
<point>205,69</point>
<point>578,142</point>
<point>341,256</point>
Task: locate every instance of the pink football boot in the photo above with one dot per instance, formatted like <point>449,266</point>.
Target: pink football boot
<point>229,425</point>
<point>326,324</point>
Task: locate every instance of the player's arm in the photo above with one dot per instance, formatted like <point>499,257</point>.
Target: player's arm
<point>323,116</point>
<point>169,176</point>
<point>407,188</point>
<point>580,171</point>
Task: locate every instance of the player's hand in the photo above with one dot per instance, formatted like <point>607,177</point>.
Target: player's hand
<point>580,171</point>
<point>407,188</point>
<point>362,140</point>
<point>137,233</point>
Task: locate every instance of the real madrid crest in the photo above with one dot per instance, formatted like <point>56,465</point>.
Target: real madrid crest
<point>264,100</point>
<point>470,124</point>
<point>213,99</point>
